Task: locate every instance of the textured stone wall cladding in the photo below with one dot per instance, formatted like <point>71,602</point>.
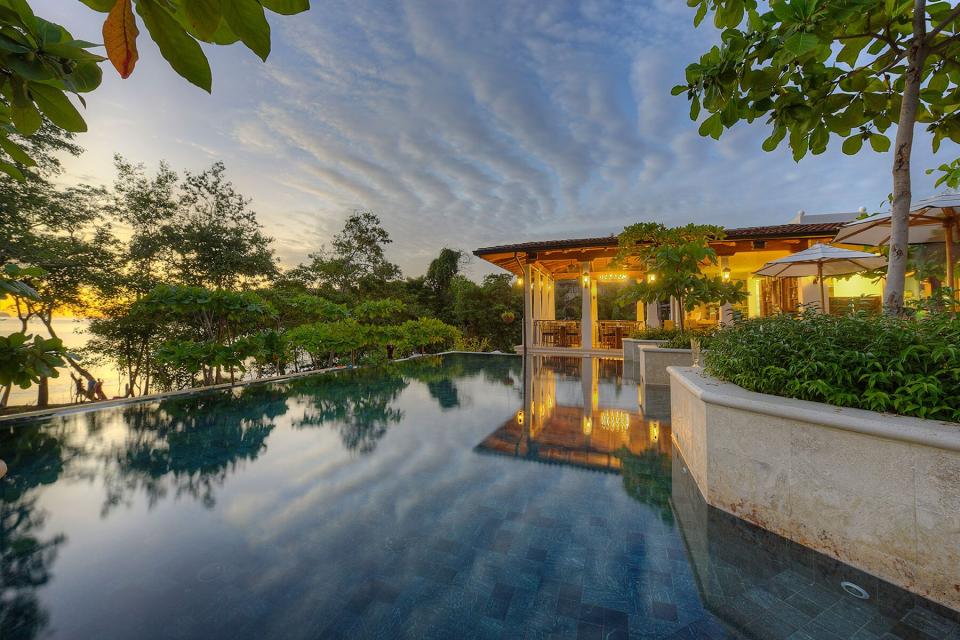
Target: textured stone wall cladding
<point>632,346</point>
<point>652,363</point>
<point>882,503</point>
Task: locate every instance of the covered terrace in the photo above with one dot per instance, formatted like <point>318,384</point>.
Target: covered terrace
<point>587,265</point>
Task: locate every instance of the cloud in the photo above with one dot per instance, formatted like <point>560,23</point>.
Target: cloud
<point>465,124</point>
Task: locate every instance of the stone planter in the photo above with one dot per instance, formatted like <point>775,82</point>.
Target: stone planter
<point>631,347</point>
<point>652,363</point>
<point>877,491</point>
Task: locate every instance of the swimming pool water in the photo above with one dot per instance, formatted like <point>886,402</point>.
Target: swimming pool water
<point>463,496</point>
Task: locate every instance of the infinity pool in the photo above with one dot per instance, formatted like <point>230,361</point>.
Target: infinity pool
<point>468,496</point>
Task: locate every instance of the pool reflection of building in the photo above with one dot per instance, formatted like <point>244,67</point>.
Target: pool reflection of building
<point>569,417</point>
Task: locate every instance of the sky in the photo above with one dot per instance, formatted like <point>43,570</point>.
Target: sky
<point>465,124</point>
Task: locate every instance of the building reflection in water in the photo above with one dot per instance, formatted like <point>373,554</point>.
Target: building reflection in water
<point>581,412</point>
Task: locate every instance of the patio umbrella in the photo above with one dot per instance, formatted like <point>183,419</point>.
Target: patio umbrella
<point>821,260</point>
<point>932,220</point>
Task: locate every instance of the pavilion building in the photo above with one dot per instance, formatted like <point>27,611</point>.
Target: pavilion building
<point>543,267</point>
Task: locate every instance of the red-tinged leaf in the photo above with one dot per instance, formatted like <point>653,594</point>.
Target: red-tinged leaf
<point>120,37</point>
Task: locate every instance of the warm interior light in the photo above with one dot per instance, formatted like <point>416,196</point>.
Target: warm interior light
<point>654,430</point>
<point>520,282</point>
<point>614,420</point>
<point>651,277</point>
<point>520,417</point>
<point>587,425</point>
<point>613,276</point>
<point>726,273</point>
<point>586,279</point>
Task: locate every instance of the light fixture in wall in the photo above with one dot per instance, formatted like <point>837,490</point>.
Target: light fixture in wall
<point>519,282</point>
<point>587,425</point>
<point>586,280</point>
<point>520,417</point>
<point>654,430</point>
<point>614,420</point>
<point>726,273</point>
<point>651,277</point>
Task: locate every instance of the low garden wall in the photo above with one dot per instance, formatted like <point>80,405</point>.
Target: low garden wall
<point>877,491</point>
<point>632,346</point>
<point>652,363</point>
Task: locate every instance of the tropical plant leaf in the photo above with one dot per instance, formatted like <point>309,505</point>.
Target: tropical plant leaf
<point>176,46</point>
<point>120,37</point>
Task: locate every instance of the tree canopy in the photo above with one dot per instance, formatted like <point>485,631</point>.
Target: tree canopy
<point>672,258</point>
<point>42,63</point>
<point>821,69</point>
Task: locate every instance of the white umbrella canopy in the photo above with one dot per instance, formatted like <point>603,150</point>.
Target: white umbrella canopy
<point>932,220</point>
<point>821,260</point>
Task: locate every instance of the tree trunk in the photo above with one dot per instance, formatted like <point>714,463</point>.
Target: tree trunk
<point>43,392</point>
<point>902,195</point>
<point>83,372</point>
<point>5,397</point>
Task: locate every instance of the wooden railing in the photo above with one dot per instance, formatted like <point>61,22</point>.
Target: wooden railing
<point>557,333</point>
<point>566,333</point>
<point>612,332</point>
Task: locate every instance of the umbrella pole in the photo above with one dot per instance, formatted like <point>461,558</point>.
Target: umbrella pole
<point>823,305</point>
<point>948,242</point>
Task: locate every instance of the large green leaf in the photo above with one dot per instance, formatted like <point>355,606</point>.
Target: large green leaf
<point>801,43</point>
<point>203,17</point>
<point>23,112</point>
<point>100,5</point>
<point>247,20</point>
<point>286,7</point>
<point>853,144</point>
<point>11,170</point>
<point>14,151</point>
<point>23,11</point>
<point>57,106</point>
<point>85,77</point>
<point>879,142</point>
<point>176,46</point>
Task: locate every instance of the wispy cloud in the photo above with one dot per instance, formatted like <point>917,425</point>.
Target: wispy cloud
<point>466,123</point>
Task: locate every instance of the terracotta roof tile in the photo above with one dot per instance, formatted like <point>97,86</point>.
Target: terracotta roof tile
<point>744,233</point>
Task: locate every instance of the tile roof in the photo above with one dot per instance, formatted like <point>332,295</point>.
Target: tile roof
<point>744,233</point>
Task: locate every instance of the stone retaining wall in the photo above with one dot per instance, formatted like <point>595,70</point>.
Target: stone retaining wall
<point>876,491</point>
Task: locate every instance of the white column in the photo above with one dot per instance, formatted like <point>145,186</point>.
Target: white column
<point>808,290</point>
<point>535,287</point>
<point>551,307</point>
<point>527,307</point>
<point>590,386</point>
<point>588,307</point>
<point>653,315</point>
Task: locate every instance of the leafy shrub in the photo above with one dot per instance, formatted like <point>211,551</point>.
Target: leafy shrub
<point>909,366</point>
<point>681,340</point>
<point>470,343</point>
<point>654,333</point>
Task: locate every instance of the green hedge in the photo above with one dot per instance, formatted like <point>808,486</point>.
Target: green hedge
<point>896,365</point>
<point>675,338</point>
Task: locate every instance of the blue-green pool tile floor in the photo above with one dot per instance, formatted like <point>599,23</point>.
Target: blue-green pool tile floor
<point>457,497</point>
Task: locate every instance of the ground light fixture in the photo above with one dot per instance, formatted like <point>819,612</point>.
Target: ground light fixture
<point>855,590</point>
